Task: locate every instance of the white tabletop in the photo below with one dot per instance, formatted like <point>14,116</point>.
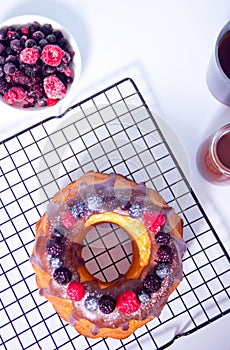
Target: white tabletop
<point>165,46</point>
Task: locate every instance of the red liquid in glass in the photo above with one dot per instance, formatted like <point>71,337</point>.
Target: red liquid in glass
<point>206,163</point>
<point>224,53</point>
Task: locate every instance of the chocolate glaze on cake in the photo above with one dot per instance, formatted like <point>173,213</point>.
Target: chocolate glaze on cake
<point>66,224</point>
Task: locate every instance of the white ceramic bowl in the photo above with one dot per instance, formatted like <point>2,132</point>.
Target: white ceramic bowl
<point>75,64</point>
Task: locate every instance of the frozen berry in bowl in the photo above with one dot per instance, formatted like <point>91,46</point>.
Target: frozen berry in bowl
<point>40,63</point>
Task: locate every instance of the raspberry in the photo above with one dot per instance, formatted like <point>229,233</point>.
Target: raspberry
<point>62,275</point>
<point>153,221</point>
<point>20,78</point>
<point>127,302</point>
<point>162,238</point>
<point>152,283</point>
<point>165,254</point>
<point>54,246</point>
<point>52,55</point>
<point>67,220</point>
<point>75,291</point>
<point>54,88</point>
<point>29,55</point>
<point>15,94</point>
<point>107,304</point>
<point>51,101</point>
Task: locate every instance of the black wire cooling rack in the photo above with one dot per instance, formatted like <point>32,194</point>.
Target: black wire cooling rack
<point>113,130</point>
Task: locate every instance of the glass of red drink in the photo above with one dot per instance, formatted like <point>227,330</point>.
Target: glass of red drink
<point>213,157</point>
<point>218,73</point>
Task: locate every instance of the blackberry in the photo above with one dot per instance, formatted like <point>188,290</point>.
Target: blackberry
<point>54,246</point>
<point>62,275</point>
<point>106,304</point>
<point>91,303</point>
<point>143,295</point>
<point>47,28</point>
<point>79,210</point>
<point>152,283</point>
<point>135,210</point>
<point>162,270</point>
<point>165,254</point>
<point>55,263</point>
<point>9,68</point>
<point>51,38</point>
<point>162,238</point>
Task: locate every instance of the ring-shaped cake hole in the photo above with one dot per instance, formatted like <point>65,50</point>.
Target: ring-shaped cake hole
<point>107,251</point>
<point>138,234</point>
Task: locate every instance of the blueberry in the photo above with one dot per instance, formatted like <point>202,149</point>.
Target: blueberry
<point>47,28</point>
<point>42,102</point>
<point>43,42</point>
<point>58,232</point>
<point>107,304</point>
<point>3,33</point>
<point>94,203</point>
<point>124,204</point>
<point>143,295</point>
<point>9,68</point>
<point>2,48</point>
<point>15,45</point>
<point>62,275</point>
<point>79,210</point>
<point>38,35</point>
<point>67,57</point>
<point>54,246</point>
<point>55,262</point>
<point>58,34</point>
<point>2,60</point>
<point>135,210</point>
<point>12,59</point>
<point>1,71</point>
<point>63,43</point>
<point>51,38</point>
<point>162,270</point>
<point>35,26</point>
<point>91,303</point>
<point>30,43</point>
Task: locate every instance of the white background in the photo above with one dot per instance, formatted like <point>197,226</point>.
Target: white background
<point>165,46</point>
